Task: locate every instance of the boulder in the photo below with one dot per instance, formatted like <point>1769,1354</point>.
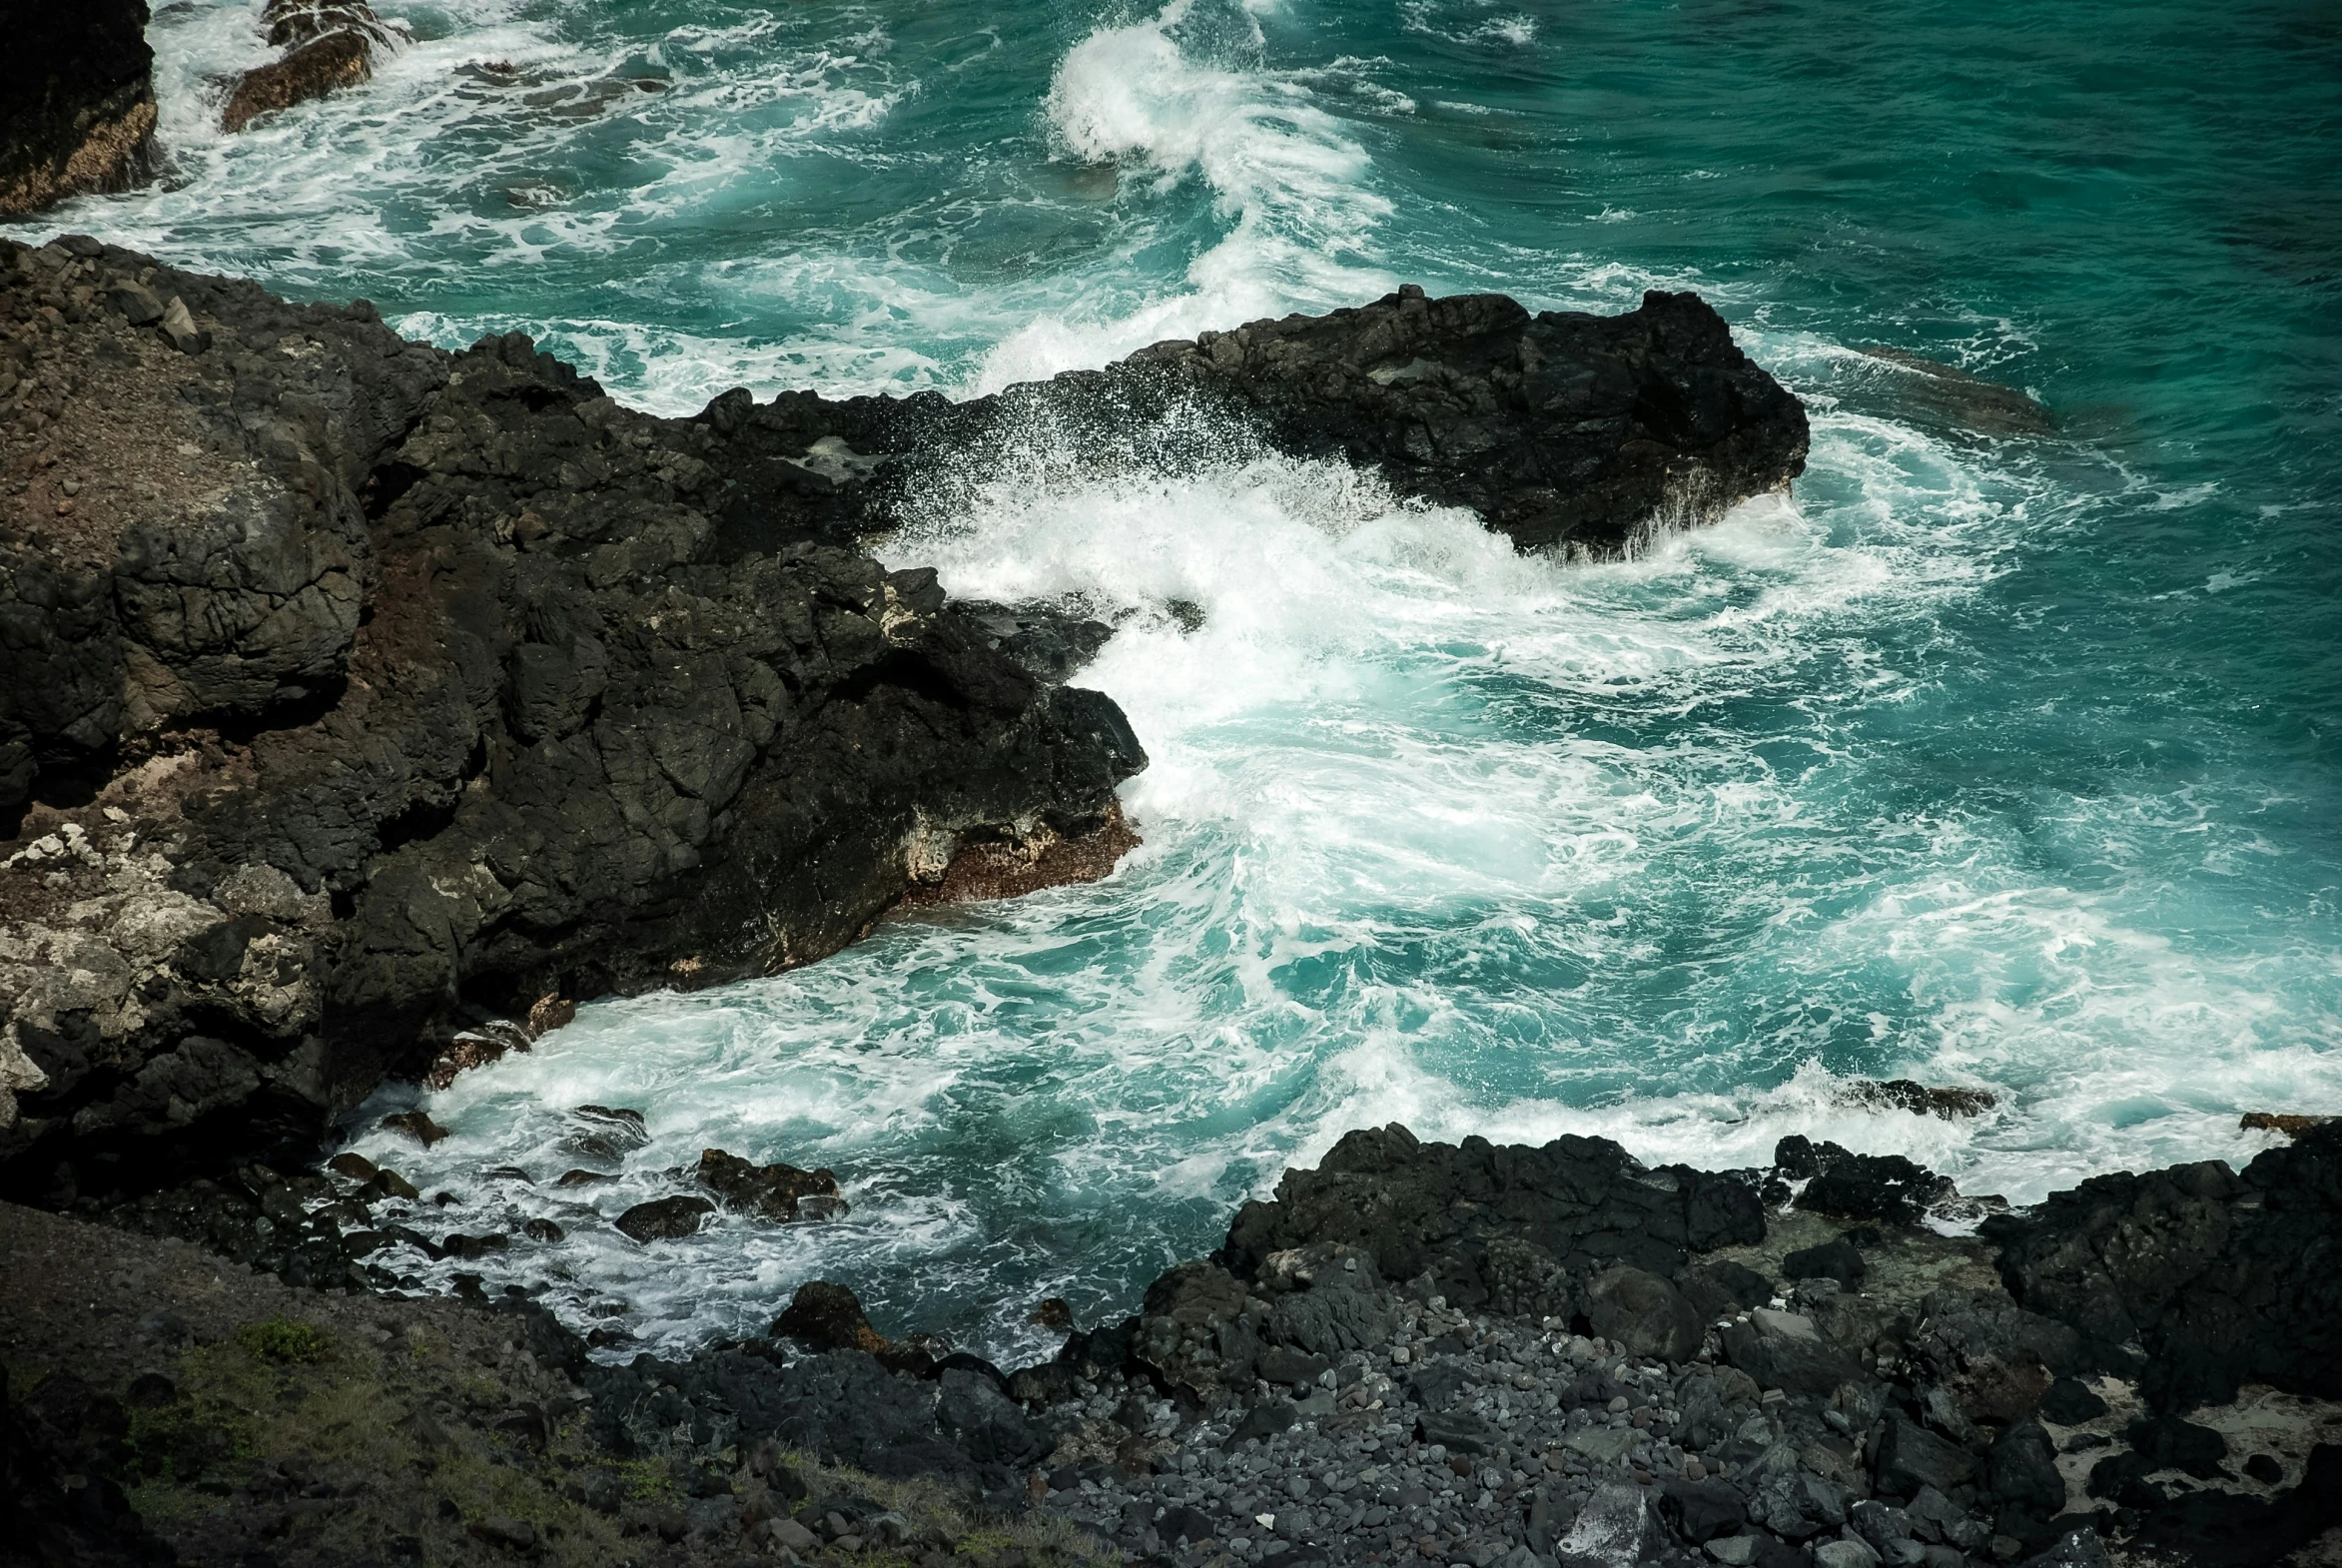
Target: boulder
<point>1911,1458</point>
<point>666,1219</point>
<point>2021,1467</point>
<point>771,1192</point>
<point>1643,1315</point>
<point>333,60</point>
<point>2195,1279</point>
<point>1477,1218</point>
<point>1785,1351</point>
<point>1616,1528</point>
<point>1883,1188</point>
<point>983,1419</point>
<point>1835,1260</point>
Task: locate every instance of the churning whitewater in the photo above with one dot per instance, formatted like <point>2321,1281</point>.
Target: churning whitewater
<point>1994,756</point>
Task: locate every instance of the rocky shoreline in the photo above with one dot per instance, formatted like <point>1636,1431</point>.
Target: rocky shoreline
<point>364,704</point>
<point>1414,1353</point>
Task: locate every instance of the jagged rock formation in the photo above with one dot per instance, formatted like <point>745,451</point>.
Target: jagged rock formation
<point>1565,431</point>
<point>79,109</point>
<point>366,692</point>
<point>2197,1280</point>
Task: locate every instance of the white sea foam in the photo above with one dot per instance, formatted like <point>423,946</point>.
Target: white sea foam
<point>1289,176</point>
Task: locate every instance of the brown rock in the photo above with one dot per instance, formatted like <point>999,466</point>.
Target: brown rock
<point>353,1166</point>
<point>551,1011</point>
<point>342,59</point>
<point>1010,868</point>
<point>417,1126</point>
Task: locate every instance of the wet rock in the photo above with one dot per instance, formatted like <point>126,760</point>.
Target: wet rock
<point>773,1191</point>
<point>1550,426</point>
<point>416,1125</point>
<point>353,1166</point>
<point>1835,1260</point>
<point>2277,1121</point>
<point>1884,1188</point>
<point>336,60</point>
<point>666,1219</point>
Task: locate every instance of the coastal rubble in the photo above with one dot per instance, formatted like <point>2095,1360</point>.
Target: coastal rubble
<point>1288,1403</point>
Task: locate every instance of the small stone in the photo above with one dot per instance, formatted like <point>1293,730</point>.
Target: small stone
<point>1735,1551</point>
<point>1852,1552</point>
<point>179,326</point>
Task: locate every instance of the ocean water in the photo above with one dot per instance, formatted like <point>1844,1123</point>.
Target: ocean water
<point>2001,759</point>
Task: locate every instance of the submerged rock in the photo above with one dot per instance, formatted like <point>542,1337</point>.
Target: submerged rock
<point>1947,395</point>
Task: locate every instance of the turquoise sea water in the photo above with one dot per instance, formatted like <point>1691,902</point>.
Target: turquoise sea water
<point>2010,761</point>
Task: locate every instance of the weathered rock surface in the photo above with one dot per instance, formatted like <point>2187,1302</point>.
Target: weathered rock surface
<point>80,111</point>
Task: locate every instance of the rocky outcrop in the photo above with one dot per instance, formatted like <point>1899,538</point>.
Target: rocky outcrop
<point>328,44</point>
<point>1510,1229</point>
<point>80,111</point>
<point>2196,1279</point>
<point>1562,430</point>
<point>359,694</point>
<point>1565,431</point>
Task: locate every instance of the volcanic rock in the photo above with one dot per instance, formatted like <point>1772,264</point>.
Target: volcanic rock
<point>772,1191</point>
<point>1505,1227</point>
<point>81,108</point>
<point>666,1219</point>
<point>2195,1279</point>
